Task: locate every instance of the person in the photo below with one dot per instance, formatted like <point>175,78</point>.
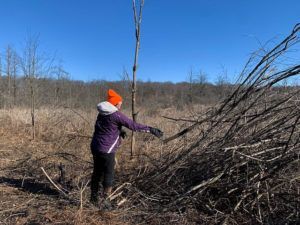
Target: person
<point>106,140</point>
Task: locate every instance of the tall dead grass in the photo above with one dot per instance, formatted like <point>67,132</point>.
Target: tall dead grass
<point>62,145</point>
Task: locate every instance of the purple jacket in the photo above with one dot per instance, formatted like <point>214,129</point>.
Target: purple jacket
<point>106,138</point>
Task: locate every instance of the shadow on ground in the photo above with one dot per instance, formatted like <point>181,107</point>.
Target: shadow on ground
<point>29,185</point>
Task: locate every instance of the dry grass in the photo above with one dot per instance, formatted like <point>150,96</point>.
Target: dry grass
<point>63,138</point>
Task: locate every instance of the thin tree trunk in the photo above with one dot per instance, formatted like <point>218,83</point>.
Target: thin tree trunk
<point>32,108</point>
<point>56,93</point>
<point>14,79</point>
<point>70,95</point>
<point>32,93</point>
<point>137,22</point>
<point>8,73</point>
<point>134,89</point>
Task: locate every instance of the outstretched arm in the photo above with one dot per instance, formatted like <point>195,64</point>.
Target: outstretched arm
<point>123,120</point>
<point>130,124</point>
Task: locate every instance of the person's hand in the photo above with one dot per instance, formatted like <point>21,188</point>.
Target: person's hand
<point>157,132</point>
<point>123,134</point>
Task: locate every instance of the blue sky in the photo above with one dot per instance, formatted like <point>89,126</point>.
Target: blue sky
<point>95,38</point>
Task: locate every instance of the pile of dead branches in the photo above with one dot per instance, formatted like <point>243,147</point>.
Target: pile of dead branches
<point>241,164</point>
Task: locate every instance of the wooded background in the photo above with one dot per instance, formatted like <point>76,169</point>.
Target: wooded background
<point>32,78</point>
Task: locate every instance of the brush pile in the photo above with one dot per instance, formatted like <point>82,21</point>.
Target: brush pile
<point>239,162</point>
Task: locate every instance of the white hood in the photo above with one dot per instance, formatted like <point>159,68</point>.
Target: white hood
<point>106,108</point>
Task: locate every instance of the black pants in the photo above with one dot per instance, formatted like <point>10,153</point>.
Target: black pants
<point>104,166</point>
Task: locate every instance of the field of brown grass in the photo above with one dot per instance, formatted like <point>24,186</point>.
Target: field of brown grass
<point>62,140</point>
<point>219,171</point>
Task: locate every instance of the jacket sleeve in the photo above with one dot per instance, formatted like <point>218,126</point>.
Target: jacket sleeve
<point>123,120</point>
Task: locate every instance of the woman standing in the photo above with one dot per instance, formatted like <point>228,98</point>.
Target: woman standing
<point>106,140</point>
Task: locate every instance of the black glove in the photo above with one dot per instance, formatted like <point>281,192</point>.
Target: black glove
<point>157,132</point>
<point>123,134</point>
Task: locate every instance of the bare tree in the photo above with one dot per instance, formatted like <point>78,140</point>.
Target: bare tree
<point>14,74</point>
<point>137,22</point>
<point>59,84</point>
<point>34,65</point>
<point>29,67</point>
<point>191,81</point>
<point>202,78</point>
<point>8,73</point>
<point>223,84</point>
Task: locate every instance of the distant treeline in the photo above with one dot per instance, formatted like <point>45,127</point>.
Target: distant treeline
<point>33,79</point>
<point>17,92</point>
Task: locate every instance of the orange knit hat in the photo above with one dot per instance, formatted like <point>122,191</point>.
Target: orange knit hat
<point>113,97</point>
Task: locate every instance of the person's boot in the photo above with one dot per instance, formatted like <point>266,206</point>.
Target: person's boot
<point>106,203</point>
<point>94,194</point>
<point>94,190</point>
<point>94,199</point>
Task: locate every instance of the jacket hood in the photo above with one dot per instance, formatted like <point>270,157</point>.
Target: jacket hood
<point>106,108</point>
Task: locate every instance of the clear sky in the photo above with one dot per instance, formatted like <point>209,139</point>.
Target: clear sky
<point>95,38</point>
